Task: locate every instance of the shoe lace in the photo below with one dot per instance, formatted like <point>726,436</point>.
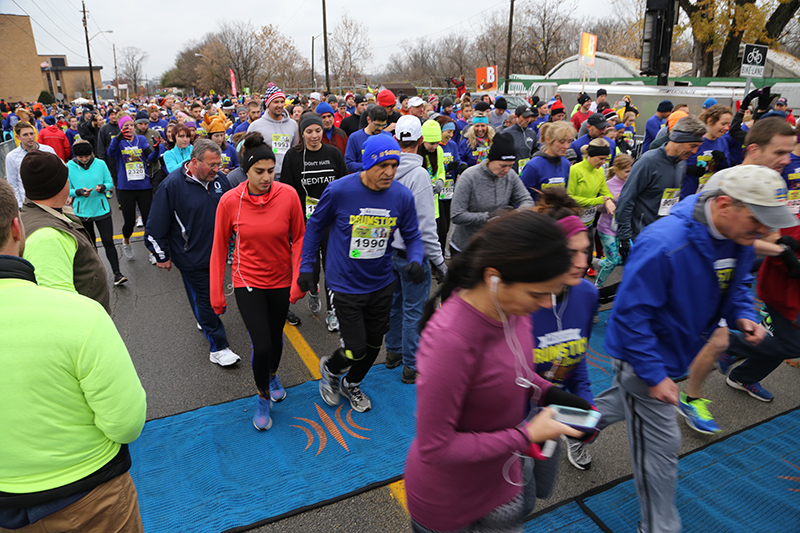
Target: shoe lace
<point>355,393</point>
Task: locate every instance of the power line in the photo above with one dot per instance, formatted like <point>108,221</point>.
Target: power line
<point>50,34</point>
<point>57,25</point>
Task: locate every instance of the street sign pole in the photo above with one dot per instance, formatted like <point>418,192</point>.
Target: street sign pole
<point>754,60</point>
<point>747,85</point>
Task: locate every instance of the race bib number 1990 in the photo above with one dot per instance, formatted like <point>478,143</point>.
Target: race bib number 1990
<point>368,242</point>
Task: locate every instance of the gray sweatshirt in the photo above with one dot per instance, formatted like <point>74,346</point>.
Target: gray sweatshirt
<point>479,193</point>
<point>413,175</point>
<point>269,127</point>
<point>641,196</point>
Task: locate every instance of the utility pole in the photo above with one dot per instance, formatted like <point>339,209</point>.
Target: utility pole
<point>325,40</point>
<point>313,76</point>
<point>508,49</point>
<point>89,53</point>
<point>116,76</point>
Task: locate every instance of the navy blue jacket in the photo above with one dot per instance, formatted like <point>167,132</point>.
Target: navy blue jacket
<point>668,304</point>
<point>180,226</point>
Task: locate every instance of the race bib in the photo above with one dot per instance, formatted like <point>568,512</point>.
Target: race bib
<point>134,171</point>
<point>793,201</point>
<point>311,205</point>
<point>668,199</point>
<point>587,215</point>
<point>281,143</point>
<point>225,163</point>
<point>794,181</point>
<point>522,163</point>
<point>368,241</point>
<point>448,190</point>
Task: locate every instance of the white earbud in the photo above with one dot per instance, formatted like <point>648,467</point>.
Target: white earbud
<point>495,281</point>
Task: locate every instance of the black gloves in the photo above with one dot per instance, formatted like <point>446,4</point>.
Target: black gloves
<point>461,168</point>
<point>307,281</point>
<point>439,272</point>
<point>765,98</point>
<point>789,241</point>
<point>415,272</point>
<point>752,95</point>
<point>697,170</point>
<point>789,258</point>
<point>557,396</point>
<point>719,158</point>
<point>102,188</point>
<point>80,192</point>
<point>624,249</point>
<point>451,166</point>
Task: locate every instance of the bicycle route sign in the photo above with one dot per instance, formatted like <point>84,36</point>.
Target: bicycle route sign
<point>754,60</point>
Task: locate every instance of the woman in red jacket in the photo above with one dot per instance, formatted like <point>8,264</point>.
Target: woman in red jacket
<point>268,223</point>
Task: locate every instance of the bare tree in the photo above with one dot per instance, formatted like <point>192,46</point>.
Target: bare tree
<point>132,61</point>
<point>349,50</point>
<point>282,62</point>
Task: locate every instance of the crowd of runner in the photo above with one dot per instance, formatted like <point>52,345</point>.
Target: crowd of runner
<point>519,216</point>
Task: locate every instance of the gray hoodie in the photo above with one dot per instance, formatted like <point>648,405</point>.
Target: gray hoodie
<point>478,194</point>
<point>271,129</point>
<point>413,175</point>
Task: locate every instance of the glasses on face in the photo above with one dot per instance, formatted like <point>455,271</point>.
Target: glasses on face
<point>379,125</point>
<point>213,166</point>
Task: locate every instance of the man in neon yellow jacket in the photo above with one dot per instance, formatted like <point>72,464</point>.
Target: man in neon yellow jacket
<point>71,402</point>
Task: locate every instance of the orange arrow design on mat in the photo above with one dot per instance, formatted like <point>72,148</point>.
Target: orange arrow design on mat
<point>331,426</point>
<point>323,439</point>
<point>791,478</point>
<point>344,426</point>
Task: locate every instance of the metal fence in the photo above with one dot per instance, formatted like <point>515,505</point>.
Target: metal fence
<point>5,148</point>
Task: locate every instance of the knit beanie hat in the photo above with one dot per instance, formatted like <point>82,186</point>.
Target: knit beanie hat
<point>379,148</point>
<point>142,117</point>
<point>324,107</point>
<point>502,148</point>
<point>309,119</point>
<point>82,148</point>
<point>431,131</point>
<point>43,175</point>
<point>386,98</point>
<point>50,120</point>
<point>556,108</point>
<point>272,93</point>
<point>124,120</point>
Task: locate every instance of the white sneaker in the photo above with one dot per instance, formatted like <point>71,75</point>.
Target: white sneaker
<point>331,321</point>
<point>127,250</point>
<point>152,259</point>
<point>139,223</point>
<point>314,304</point>
<point>224,357</point>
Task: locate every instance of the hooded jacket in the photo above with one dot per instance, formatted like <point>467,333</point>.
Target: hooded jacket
<point>669,301</point>
<point>478,194</point>
<point>53,137</point>
<point>280,135</point>
<point>641,196</point>
<point>543,172</point>
<point>180,226</point>
<point>411,173</point>
<point>88,177</point>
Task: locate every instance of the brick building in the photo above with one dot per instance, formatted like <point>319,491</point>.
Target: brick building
<point>24,73</point>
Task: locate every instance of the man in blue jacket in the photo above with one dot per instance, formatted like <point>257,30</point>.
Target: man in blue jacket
<point>685,272</point>
<point>180,230</point>
<point>376,122</point>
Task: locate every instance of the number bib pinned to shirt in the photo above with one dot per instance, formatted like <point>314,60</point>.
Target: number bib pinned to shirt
<point>668,199</point>
<point>281,143</point>
<point>448,190</point>
<point>522,163</point>
<point>587,215</point>
<point>311,205</point>
<point>134,171</point>
<point>368,241</point>
<point>793,201</point>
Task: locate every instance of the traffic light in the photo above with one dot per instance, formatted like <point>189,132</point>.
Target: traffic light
<point>660,18</point>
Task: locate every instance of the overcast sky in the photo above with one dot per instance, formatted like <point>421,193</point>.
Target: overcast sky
<point>162,27</point>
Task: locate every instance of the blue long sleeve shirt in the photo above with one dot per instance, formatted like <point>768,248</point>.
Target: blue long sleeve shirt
<point>651,128</point>
<point>354,151</point>
<point>131,160</point>
<point>362,223</point>
<point>543,172</point>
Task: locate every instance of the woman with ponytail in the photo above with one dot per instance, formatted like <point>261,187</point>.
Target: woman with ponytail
<point>465,468</point>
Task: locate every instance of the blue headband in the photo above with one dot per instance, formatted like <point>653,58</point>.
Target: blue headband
<point>450,126</point>
<point>480,120</point>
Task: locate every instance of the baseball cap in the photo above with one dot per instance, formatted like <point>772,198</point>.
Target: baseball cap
<point>709,102</point>
<point>597,120</point>
<point>761,189</point>
<point>781,101</point>
<point>408,128</point>
<point>523,111</point>
<point>415,101</point>
<point>315,96</point>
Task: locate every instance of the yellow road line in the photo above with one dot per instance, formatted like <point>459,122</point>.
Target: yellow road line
<point>304,350</point>
<point>398,492</point>
<point>119,237</point>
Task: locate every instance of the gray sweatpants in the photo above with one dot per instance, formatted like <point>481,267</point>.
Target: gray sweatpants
<point>654,440</point>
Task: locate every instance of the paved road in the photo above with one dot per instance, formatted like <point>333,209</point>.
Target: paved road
<point>171,357</point>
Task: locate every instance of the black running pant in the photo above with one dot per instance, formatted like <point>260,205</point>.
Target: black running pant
<point>106,231</point>
<point>129,200</point>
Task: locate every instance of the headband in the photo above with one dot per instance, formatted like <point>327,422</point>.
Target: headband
<point>253,155</point>
<point>593,151</point>
<point>571,225</point>
<point>451,126</point>
<point>480,120</point>
<point>678,136</point>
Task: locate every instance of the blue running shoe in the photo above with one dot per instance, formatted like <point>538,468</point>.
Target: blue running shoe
<point>276,390</point>
<point>697,415</point>
<point>724,363</point>
<point>753,389</point>
<point>262,420</point>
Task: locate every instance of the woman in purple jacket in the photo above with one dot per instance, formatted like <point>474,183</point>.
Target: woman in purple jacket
<point>465,468</point>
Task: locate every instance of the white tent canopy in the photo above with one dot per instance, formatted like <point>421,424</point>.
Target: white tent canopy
<point>81,101</point>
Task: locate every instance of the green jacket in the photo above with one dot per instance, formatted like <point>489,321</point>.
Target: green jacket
<point>69,391</point>
<point>587,185</point>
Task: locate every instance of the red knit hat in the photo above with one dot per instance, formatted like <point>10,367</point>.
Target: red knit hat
<point>386,98</point>
<point>556,107</point>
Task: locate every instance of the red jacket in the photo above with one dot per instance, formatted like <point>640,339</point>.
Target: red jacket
<point>53,137</point>
<point>338,118</point>
<point>338,139</point>
<point>269,238</point>
<point>775,287</point>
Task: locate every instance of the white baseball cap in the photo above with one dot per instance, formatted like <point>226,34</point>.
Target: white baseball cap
<point>415,101</point>
<point>315,96</point>
<point>760,188</point>
<point>408,128</point>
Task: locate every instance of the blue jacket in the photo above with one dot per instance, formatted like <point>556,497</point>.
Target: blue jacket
<point>451,153</point>
<point>176,157</point>
<point>791,173</point>
<point>354,150</point>
<point>668,303</point>
<point>690,183</point>
<point>180,226</point>
<point>651,128</point>
<point>560,352</point>
<point>96,204</point>
<point>361,220</point>
<point>543,171</point>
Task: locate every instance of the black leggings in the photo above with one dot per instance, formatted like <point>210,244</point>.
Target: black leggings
<point>129,200</point>
<point>443,222</point>
<point>264,314</point>
<point>106,231</point>
<point>321,264</point>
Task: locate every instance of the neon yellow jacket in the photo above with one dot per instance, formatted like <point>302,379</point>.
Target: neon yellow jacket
<point>587,185</point>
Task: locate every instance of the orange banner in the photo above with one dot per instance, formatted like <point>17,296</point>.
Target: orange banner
<point>486,78</point>
<point>588,49</point>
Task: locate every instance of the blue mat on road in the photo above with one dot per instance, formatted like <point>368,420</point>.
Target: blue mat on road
<point>568,518</point>
<point>209,470</point>
<point>598,362</point>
